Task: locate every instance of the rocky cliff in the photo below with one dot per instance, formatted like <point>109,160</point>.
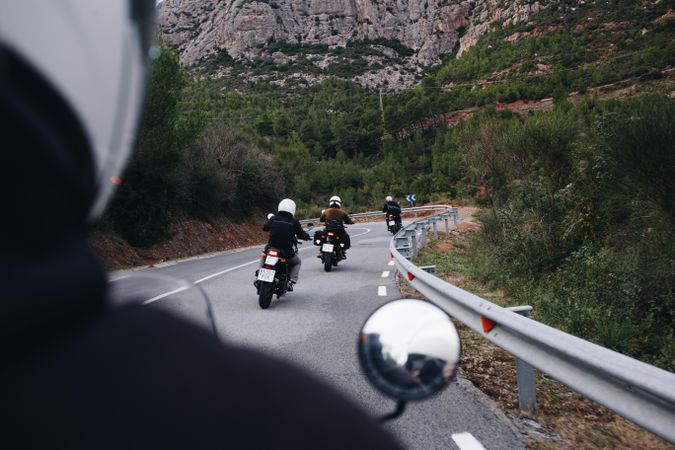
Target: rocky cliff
<point>392,39</point>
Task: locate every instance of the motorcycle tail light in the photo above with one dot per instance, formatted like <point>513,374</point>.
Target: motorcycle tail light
<point>283,260</point>
<point>331,234</point>
<point>273,253</point>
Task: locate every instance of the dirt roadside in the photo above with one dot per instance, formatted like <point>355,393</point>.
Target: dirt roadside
<point>564,419</point>
<point>189,238</point>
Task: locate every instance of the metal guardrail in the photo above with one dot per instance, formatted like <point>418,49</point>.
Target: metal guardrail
<point>453,213</point>
<point>642,393</point>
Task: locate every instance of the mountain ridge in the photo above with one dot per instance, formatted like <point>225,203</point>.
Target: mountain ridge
<point>385,43</point>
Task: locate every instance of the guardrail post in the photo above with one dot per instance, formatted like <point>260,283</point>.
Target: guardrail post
<point>403,245</point>
<point>429,269</point>
<point>422,226</point>
<point>435,227</point>
<point>527,393</point>
<point>455,215</point>
<point>412,235</point>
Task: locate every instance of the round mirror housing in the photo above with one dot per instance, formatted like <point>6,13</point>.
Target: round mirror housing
<point>409,349</point>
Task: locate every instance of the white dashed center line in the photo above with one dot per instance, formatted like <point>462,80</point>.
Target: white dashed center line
<point>166,294</point>
<point>466,441</point>
<point>385,274</point>
<point>382,291</point>
<point>201,280</point>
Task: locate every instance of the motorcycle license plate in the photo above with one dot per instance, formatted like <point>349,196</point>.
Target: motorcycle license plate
<point>327,248</point>
<point>271,260</point>
<point>266,275</point>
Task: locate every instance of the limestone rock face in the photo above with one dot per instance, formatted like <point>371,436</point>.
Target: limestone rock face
<point>431,29</point>
<point>490,12</point>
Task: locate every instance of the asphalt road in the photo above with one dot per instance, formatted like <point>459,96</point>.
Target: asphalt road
<point>317,325</point>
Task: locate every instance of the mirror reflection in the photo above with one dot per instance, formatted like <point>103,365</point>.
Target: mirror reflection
<point>409,349</point>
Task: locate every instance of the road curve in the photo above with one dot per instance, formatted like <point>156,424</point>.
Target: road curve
<point>316,326</point>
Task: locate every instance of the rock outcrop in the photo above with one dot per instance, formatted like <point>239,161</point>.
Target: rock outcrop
<point>418,32</point>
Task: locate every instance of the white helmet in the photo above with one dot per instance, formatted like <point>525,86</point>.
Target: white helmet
<point>93,55</point>
<point>389,198</point>
<point>270,215</point>
<point>287,205</point>
<point>335,200</point>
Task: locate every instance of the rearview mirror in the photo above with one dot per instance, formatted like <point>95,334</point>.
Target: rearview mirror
<point>409,349</point>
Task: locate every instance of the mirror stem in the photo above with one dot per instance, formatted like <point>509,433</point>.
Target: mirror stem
<point>400,407</point>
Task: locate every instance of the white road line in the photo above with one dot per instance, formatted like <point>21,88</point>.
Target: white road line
<point>391,263</point>
<point>222,272</point>
<point>382,291</point>
<point>166,294</point>
<point>121,277</point>
<point>466,441</point>
<point>226,270</point>
<point>385,274</point>
<point>361,234</point>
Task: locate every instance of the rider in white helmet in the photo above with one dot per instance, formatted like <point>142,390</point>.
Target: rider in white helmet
<point>392,208</point>
<point>335,216</point>
<point>76,371</point>
<point>284,229</point>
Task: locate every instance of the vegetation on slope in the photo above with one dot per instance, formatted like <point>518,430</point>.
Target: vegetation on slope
<point>580,218</point>
<point>562,50</point>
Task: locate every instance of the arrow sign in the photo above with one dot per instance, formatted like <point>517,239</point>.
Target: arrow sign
<point>412,198</point>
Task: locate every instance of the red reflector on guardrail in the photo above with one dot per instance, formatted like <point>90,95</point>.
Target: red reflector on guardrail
<point>487,324</point>
<point>410,276</point>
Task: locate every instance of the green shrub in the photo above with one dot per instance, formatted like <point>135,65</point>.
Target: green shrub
<point>581,224</point>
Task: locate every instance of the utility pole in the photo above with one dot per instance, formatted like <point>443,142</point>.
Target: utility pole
<point>382,110</point>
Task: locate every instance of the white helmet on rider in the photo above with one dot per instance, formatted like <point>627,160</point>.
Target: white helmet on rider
<point>389,198</point>
<point>335,202</point>
<point>92,55</point>
<point>287,205</point>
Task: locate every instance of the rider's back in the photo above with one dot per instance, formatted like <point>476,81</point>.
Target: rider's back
<point>337,215</point>
<point>284,229</point>
<point>140,378</point>
<point>392,207</point>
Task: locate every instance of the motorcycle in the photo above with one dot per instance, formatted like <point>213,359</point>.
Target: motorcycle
<point>272,277</point>
<point>393,225</point>
<point>332,250</point>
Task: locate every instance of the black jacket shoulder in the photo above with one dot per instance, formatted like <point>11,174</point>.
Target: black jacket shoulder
<point>141,378</point>
<point>284,229</point>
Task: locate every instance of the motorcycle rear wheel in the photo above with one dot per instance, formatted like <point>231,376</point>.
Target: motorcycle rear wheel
<point>327,262</point>
<point>265,296</point>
